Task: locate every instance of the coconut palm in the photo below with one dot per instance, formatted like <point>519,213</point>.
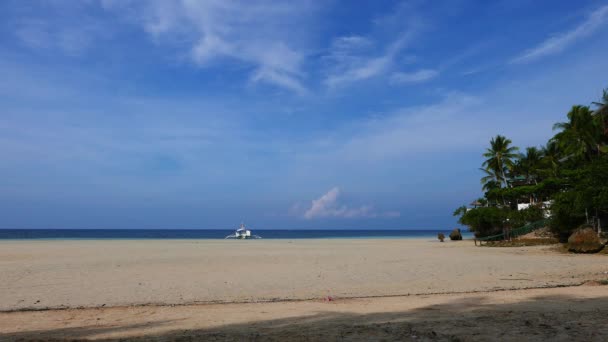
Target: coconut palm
<point>602,104</point>
<point>579,137</point>
<point>499,158</point>
<point>601,116</point>
<point>490,181</point>
<point>530,164</point>
<point>551,158</point>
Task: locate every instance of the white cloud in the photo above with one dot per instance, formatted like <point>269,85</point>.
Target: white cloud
<point>417,129</point>
<point>328,205</point>
<point>270,75</point>
<point>351,62</point>
<point>349,43</point>
<point>458,122</point>
<point>366,69</point>
<point>559,42</point>
<point>352,59</point>
<point>258,34</point>
<point>419,76</point>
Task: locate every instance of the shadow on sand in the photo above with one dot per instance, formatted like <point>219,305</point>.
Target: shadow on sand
<point>558,318</point>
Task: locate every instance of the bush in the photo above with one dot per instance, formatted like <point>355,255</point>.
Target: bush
<point>565,217</point>
<point>587,195</point>
<point>519,218</point>
<point>486,221</point>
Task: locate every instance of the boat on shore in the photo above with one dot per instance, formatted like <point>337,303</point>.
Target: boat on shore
<point>242,233</point>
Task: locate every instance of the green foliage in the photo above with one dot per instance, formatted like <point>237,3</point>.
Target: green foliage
<point>460,211</point>
<point>586,194</point>
<point>580,135</point>
<point>549,164</point>
<point>484,221</point>
<point>601,116</point>
<point>499,159</point>
<point>544,189</point>
<point>519,218</point>
<point>528,165</point>
<point>570,171</point>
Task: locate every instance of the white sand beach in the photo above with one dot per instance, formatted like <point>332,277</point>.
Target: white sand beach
<point>122,275</point>
<point>558,314</point>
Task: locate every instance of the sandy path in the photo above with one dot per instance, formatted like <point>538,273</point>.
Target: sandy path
<point>54,274</point>
<point>558,314</point>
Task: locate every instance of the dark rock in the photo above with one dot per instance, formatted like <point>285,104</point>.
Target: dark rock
<point>584,240</point>
<point>441,237</point>
<point>455,234</point>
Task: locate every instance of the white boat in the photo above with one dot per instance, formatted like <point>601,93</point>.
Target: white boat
<point>242,233</point>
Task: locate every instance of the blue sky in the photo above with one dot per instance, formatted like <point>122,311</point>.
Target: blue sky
<point>295,114</point>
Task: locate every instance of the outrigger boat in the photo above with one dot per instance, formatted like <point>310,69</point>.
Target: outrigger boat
<point>242,233</point>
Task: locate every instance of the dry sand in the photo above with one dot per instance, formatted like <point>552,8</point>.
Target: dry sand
<point>104,275</point>
<point>556,314</point>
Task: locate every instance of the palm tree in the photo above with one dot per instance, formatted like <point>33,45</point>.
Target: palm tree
<point>489,183</point>
<point>491,180</point>
<point>579,137</point>
<point>551,156</point>
<point>499,159</point>
<point>530,164</point>
<point>601,116</point>
<point>602,104</point>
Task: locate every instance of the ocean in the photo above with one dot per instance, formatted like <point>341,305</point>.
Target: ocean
<point>27,234</point>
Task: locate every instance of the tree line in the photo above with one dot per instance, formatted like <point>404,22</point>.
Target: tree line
<point>566,180</point>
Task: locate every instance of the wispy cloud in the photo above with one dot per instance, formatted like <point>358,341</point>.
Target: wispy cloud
<point>411,130</point>
<point>328,206</point>
<point>68,34</point>
<point>559,42</point>
<point>351,60</point>
<point>419,76</point>
<point>255,33</point>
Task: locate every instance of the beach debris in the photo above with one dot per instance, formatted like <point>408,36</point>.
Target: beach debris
<point>441,237</point>
<point>329,299</point>
<point>584,240</point>
<point>455,234</point>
